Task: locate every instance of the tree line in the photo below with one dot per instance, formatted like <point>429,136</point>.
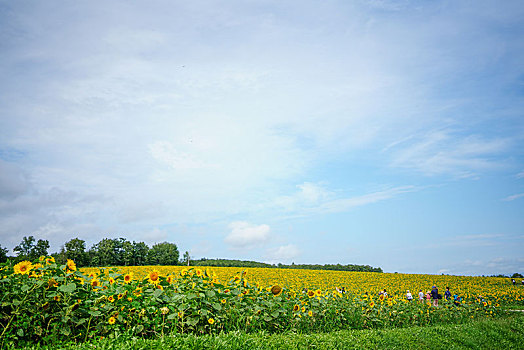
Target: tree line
<point>107,252</point>
<point>121,252</point>
<point>243,263</point>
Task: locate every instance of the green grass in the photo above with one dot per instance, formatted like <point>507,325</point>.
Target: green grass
<point>501,333</point>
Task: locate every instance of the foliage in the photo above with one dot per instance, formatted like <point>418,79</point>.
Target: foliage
<point>163,254</point>
<point>3,254</point>
<point>28,250</point>
<point>44,302</point>
<point>227,263</point>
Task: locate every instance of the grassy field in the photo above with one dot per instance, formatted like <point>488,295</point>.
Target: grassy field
<point>502,333</point>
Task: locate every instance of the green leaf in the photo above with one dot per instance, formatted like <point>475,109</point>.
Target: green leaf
<point>25,288</point>
<point>192,321</point>
<point>20,332</point>
<point>95,313</point>
<point>157,293</point>
<point>210,293</point>
<point>139,328</point>
<point>171,316</point>
<point>67,288</point>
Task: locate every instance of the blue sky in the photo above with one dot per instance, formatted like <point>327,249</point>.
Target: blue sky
<point>354,132</point>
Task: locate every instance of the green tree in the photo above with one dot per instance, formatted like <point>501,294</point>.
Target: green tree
<point>3,254</point>
<point>163,254</point>
<point>75,250</point>
<point>102,253</point>
<point>27,249</point>
<point>23,250</point>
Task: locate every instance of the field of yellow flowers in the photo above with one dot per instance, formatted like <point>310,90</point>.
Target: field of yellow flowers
<point>44,302</point>
<point>497,290</point>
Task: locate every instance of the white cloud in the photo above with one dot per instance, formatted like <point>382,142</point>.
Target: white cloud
<point>513,197</point>
<point>282,254</point>
<point>246,235</point>
<point>443,152</point>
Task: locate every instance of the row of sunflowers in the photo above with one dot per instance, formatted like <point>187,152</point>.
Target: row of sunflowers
<point>44,302</point>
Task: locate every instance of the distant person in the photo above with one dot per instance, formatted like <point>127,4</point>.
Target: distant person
<point>409,296</point>
<point>428,295</point>
<point>447,294</point>
<point>420,296</point>
<point>434,295</point>
<point>513,280</point>
<point>456,300</point>
<point>523,282</point>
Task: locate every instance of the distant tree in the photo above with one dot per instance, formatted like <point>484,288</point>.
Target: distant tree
<point>23,250</point>
<point>3,254</point>
<point>186,259</point>
<point>102,253</point>
<point>140,251</point>
<point>134,254</point>
<point>517,275</point>
<point>163,254</point>
<point>75,250</point>
<point>27,249</point>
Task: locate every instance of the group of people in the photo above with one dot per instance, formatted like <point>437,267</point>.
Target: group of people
<point>515,282</point>
<point>432,295</point>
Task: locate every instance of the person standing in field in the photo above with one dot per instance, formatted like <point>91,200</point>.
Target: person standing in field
<point>434,295</point>
<point>447,294</point>
<point>409,296</point>
<point>420,296</point>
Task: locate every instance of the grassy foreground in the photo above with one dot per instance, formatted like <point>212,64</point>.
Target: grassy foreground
<point>502,333</point>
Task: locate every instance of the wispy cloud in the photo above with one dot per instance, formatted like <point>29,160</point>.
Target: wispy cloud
<point>444,152</point>
<point>513,197</point>
<point>316,199</point>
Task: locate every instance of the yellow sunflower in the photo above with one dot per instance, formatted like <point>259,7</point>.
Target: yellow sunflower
<point>310,293</point>
<point>111,320</point>
<point>23,267</point>
<point>153,277</point>
<point>296,308</point>
<point>211,321</point>
<point>276,290</point>
<point>310,313</point>
<point>128,277</point>
<point>50,260</point>
<point>71,266</point>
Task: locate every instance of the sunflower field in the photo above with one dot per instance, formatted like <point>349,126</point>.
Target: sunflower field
<point>44,302</point>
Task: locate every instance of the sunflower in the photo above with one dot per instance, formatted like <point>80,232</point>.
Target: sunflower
<point>223,301</point>
<point>71,266</point>
<point>95,283</point>
<point>111,298</point>
<point>159,286</point>
<point>210,321</point>
<point>50,260</point>
<point>111,320</point>
<point>120,296</point>
<point>52,283</point>
<point>23,267</point>
<point>128,277</point>
<point>310,293</point>
<point>372,303</point>
<point>111,280</point>
<point>296,308</point>
<point>42,258</point>
<point>153,277</point>
<point>198,272</point>
<point>318,292</point>
<point>276,290</point>
<point>310,313</point>
<point>170,279</point>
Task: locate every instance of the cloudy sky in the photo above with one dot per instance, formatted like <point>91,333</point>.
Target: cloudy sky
<point>354,132</point>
